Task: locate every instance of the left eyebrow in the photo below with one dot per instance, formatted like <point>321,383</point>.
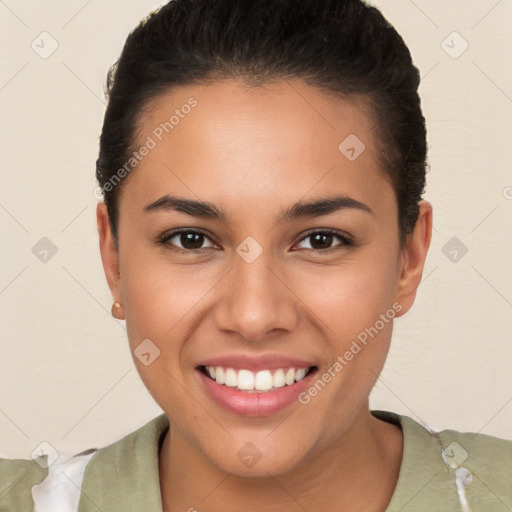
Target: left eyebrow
<point>299,210</point>
<point>321,207</point>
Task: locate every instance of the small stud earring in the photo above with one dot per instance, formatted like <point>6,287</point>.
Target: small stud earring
<point>115,310</point>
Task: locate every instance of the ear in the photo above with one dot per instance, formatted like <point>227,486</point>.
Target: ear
<point>414,253</point>
<point>109,253</point>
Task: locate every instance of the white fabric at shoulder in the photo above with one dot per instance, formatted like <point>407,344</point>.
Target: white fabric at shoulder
<point>60,490</point>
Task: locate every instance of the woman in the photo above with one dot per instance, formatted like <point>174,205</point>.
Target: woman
<point>263,165</point>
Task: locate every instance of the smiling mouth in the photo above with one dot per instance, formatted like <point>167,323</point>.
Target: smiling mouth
<point>263,381</point>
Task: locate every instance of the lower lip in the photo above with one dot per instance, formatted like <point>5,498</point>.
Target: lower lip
<point>254,404</point>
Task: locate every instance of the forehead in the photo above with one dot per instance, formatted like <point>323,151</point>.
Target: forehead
<point>231,142</point>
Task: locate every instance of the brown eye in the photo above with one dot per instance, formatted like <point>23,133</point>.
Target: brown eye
<point>321,241</point>
<point>190,240</point>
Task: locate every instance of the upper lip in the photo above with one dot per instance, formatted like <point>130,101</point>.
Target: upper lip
<point>256,363</point>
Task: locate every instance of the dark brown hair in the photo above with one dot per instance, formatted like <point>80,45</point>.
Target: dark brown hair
<point>345,47</point>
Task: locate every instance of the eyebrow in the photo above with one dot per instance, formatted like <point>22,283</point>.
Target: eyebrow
<point>299,210</point>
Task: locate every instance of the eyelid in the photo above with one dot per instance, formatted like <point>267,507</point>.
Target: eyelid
<point>165,237</point>
<point>344,237</point>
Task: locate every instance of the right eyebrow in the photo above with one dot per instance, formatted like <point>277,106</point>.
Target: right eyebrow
<point>188,206</point>
<point>316,208</point>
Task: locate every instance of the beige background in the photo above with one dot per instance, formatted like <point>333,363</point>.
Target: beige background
<point>66,374</point>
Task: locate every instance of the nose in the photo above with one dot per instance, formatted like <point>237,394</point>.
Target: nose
<point>256,301</point>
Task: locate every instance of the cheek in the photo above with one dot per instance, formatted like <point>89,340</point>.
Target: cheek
<point>157,296</point>
<point>351,296</point>
<point>156,304</point>
<point>162,303</point>
<point>348,295</point>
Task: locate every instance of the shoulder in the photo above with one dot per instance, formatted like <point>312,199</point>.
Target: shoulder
<point>131,446</point>
<point>484,455</point>
<point>124,475</point>
<point>451,469</point>
<point>60,490</point>
<point>487,460</point>
<point>17,476</point>
<point>102,477</point>
<point>479,449</point>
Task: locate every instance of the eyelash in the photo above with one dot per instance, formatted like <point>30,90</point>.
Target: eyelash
<point>164,240</point>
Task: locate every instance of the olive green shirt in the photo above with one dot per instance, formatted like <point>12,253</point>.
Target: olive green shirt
<point>447,471</point>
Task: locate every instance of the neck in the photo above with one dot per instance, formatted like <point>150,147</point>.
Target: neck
<point>357,472</point>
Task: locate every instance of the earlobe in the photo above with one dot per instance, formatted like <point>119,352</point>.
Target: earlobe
<point>414,253</point>
<point>109,252</point>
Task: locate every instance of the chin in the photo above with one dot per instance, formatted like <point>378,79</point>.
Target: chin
<point>251,462</point>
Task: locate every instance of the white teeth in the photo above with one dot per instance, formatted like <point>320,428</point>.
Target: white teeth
<point>278,379</point>
<point>245,380</point>
<point>290,377</point>
<point>300,374</point>
<point>263,381</point>
<point>260,381</point>
<point>231,378</point>
<point>219,375</point>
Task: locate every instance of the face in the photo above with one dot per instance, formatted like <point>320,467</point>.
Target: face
<point>302,299</point>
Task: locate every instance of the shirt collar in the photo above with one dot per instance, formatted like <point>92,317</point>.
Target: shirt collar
<point>125,475</point>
